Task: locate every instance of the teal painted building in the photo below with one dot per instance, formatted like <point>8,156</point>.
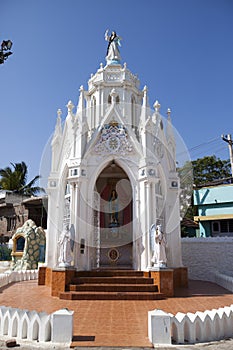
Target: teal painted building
<point>215,210</point>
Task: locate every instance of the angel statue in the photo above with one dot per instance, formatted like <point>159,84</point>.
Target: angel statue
<point>113,53</point>
<point>65,257</point>
<point>159,258</point>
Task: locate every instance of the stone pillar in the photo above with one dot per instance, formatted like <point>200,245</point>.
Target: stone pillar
<point>76,222</point>
<point>159,327</point>
<point>148,221</point>
<point>62,326</point>
<point>143,221</point>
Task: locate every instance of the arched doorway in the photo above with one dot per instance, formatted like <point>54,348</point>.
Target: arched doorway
<point>115,218</point>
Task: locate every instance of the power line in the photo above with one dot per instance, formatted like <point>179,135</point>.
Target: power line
<point>204,143</point>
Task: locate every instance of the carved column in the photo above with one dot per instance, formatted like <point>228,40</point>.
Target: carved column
<point>76,222</point>
<point>148,220</point>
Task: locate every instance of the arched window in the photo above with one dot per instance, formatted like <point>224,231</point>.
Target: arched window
<point>20,242</point>
<point>133,112</point>
<point>66,214</point>
<point>110,99</point>
<point>134,116</point>
<point>93,112</point>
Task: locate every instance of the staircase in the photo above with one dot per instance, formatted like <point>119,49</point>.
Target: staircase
<point>111,285</point>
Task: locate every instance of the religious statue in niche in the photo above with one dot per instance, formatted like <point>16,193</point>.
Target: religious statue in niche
<point>159,258</point>
<point>113,209</point>
<point>65,256</point>
<point>113,53</point>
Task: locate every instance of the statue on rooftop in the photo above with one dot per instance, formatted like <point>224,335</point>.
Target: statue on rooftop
<point>113,53</point>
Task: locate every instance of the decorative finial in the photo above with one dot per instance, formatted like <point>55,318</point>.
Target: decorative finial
<point>157,106</point>
<point>59,113</point>
<point>169,115</point>
<point>70,107</point>
<point>113,52</point>
<point>101,65</point>
<point>58,127</point>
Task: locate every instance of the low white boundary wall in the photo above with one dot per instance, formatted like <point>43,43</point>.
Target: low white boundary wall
<point>17,276</point>
<point>32,325</point>
<point>209,259</point>
<point>207,326</point>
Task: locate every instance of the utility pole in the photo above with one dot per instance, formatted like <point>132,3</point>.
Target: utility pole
<point>227,138</point>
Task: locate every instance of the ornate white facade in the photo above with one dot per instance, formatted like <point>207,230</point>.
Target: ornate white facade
<point>113,174</point>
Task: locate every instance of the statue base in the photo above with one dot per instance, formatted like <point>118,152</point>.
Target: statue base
<point>168,279</point>
<point>57,279</point>
<point>163,278</point>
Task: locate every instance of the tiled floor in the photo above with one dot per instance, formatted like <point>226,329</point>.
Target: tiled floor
<point>114,323</point>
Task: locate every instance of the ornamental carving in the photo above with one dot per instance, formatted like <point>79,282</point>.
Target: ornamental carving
<point>113,139</point>
<point>159,148</point>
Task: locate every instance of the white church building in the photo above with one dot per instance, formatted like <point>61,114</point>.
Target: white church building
<point>113,175</point>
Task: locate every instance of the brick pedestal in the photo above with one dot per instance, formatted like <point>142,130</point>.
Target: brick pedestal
<point>56,279</point>
<point>163,278</point>
<point>180,277</point>
<point>42,276</point>
<point>168,280</point>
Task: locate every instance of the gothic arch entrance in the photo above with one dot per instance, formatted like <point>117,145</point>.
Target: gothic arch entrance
<point>115,216</point>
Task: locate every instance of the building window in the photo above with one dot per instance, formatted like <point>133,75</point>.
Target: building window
<point>222,226</point>
<point>20,242</point>
<point>110,99</point>
<point>215,227</point>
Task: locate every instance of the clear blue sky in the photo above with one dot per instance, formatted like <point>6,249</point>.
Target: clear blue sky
<point>181,49</point>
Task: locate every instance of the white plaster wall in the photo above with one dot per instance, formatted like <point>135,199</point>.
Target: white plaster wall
<point>205,257</point>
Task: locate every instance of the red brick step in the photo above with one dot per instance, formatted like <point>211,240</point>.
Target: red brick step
<point>111,285</point>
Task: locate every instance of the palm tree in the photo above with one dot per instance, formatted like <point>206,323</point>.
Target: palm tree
<point>16,180</point>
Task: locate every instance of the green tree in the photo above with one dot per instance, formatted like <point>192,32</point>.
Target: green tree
<point>210,168</point>
<point>199,172</point>
<point>15,179</point>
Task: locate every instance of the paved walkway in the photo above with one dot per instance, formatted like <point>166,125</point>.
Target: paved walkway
<point>115,323</point>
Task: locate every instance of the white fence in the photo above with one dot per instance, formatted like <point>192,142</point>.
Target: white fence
<point>208,259</point>
<point>17,276</point>
<point>210,325</point>
<point>32,325</point>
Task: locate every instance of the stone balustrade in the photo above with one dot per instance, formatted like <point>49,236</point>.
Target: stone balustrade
<point>210,325</point>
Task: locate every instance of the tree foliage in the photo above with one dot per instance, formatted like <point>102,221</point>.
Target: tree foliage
<point>199,172</point>
<point>15,179</point>
<point>209,169</point>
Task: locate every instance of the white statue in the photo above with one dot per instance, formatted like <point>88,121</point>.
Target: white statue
<point>64,241</point>
<point>113,53</point>
<point>159,258</point>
